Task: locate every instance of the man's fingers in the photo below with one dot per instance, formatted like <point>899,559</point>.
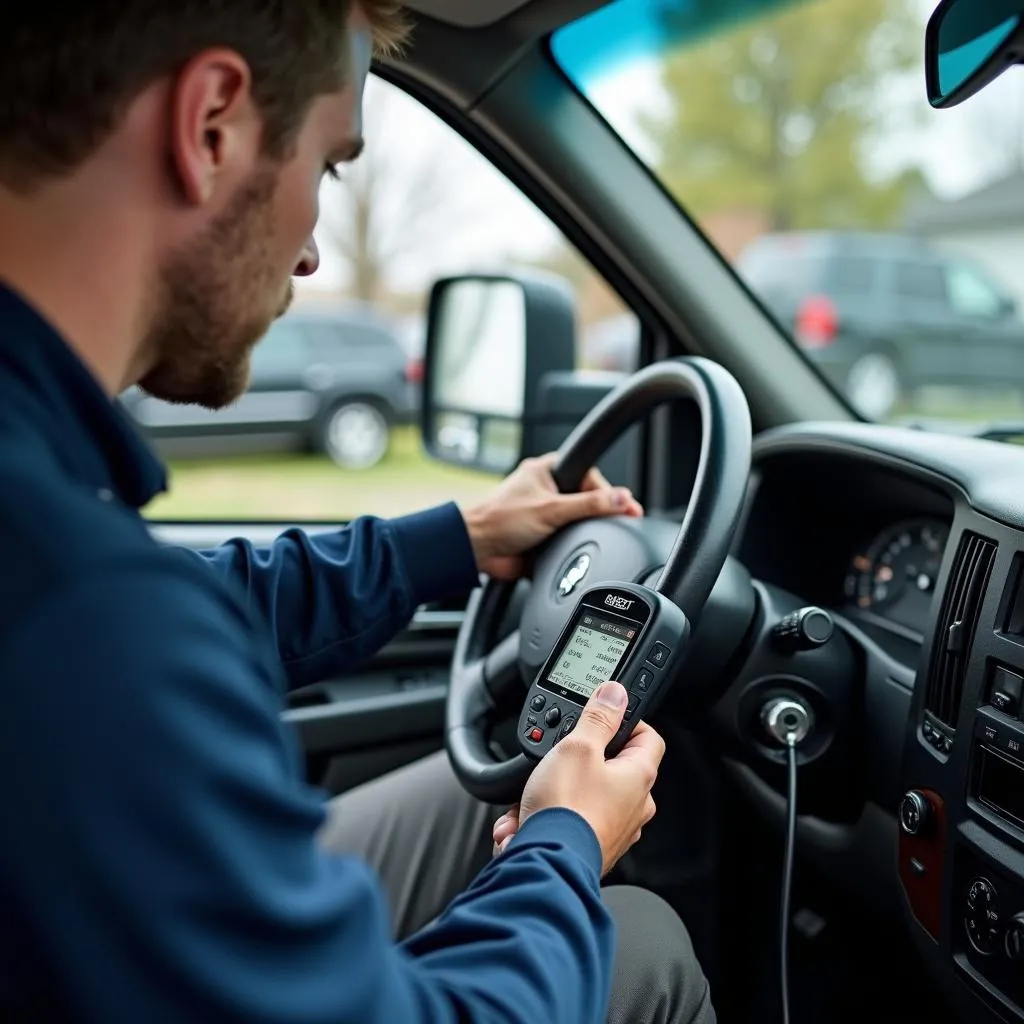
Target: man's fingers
<point>602,716</point>
<point>644,738</point>
<point>650,809</point>
<point>571,508</point>
<point>644,746</point>
<point>506,826</point>
<point>596,497</point>
<point>594,480</point>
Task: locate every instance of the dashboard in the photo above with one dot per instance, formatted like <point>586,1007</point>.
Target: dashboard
<point>914,543</point>
<point>855,537</point>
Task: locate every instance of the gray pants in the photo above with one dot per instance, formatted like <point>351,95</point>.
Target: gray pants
<point>427,839</point>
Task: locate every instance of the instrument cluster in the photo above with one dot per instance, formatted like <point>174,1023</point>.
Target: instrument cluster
<point>893,574</point>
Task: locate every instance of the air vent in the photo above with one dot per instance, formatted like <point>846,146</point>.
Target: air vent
<point>958,619</point>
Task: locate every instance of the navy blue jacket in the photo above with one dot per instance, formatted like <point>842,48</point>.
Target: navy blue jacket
<point>158,859</point>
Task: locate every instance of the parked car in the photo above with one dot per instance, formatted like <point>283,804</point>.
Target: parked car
<point>885,314</point>
<point>334,382</point>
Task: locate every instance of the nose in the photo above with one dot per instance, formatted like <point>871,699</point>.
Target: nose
<point>309,260</point>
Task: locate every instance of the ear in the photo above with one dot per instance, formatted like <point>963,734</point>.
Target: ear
<point>214,124</point>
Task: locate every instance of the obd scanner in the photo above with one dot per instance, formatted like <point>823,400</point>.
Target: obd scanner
<point>622,631</point>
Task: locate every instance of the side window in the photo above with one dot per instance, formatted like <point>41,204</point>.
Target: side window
<point>970,294</point>
<point>283,349</point>
<point>852,275</point>
<point>920,282</point>
<point>341,438</point>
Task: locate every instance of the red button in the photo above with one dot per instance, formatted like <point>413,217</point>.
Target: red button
<point>536,735</point>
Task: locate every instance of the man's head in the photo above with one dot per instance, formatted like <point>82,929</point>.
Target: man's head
<point>968,44</point>
<point>215,122</point>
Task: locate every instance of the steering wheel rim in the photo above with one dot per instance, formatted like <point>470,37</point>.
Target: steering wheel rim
<point>484,673</point>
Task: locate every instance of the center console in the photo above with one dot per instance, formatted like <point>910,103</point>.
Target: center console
<point>961,850</point>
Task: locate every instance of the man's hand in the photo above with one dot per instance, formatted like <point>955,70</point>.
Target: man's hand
<point>527,508</point>
<point>613,796</point>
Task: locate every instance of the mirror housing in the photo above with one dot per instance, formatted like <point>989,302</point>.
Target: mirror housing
<point>968,44</point>
<point>491,339</point>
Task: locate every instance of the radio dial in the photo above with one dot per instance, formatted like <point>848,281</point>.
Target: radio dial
<point>916,815</point>
<point>982,920</point>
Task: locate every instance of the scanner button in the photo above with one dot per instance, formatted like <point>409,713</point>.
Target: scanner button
<point>659,655</point>
<point>538,702</point>
<point>535,734</point>
<point>643,682</point>
<point>634,700</point>
<point>553,716</point>
<point>567,727</point>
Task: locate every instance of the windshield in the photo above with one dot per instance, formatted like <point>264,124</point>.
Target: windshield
<point>885,237</point>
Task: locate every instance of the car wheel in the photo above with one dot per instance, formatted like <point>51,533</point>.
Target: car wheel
<point>355,435</point>
<point>873,385</point>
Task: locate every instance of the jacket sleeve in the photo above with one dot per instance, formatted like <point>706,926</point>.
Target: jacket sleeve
<point>182,878</point>
<point>333,599</point>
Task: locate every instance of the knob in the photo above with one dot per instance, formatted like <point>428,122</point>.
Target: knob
<point>916,814</point>
<point>982,919</point>
<point>1014,938</point>
<point>804,630</point>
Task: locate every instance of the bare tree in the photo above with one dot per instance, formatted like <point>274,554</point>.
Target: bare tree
<point>396,203</point>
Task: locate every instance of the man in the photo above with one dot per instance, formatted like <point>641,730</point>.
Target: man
<point>162,859</point>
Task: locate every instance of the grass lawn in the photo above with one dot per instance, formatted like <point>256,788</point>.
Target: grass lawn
<point>966,408</point>
<point>310,487</point>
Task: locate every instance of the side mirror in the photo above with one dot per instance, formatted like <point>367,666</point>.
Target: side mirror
<point>491,338</point>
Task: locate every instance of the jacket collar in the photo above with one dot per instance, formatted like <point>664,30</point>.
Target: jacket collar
<point>92,436</point>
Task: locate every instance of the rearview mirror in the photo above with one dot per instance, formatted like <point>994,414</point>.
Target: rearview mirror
<point>490,340</point>
<point>968,43</point>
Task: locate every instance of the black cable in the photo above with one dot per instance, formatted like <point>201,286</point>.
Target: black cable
<point>787,872</point>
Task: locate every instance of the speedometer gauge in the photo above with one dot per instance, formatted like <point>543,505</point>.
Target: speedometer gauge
<point>896,574</point>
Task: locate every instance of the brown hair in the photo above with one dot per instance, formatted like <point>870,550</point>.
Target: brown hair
<point>69,72</point>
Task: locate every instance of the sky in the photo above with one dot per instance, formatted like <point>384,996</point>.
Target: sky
<point>958,149</point>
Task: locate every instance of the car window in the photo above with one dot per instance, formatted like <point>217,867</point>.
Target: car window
<point>852,275</point>
<point>330,431</point>
<point>920,282</point>
<point>774,146</point>
<point>970,294</point>
<point>283,348</point>
<point>335,337</point>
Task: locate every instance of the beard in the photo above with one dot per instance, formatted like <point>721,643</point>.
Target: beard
<point>213,303</point>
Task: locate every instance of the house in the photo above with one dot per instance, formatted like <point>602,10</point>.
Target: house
<point>985,226</point>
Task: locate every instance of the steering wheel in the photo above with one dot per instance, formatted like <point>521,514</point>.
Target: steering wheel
<point>685,560</point>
